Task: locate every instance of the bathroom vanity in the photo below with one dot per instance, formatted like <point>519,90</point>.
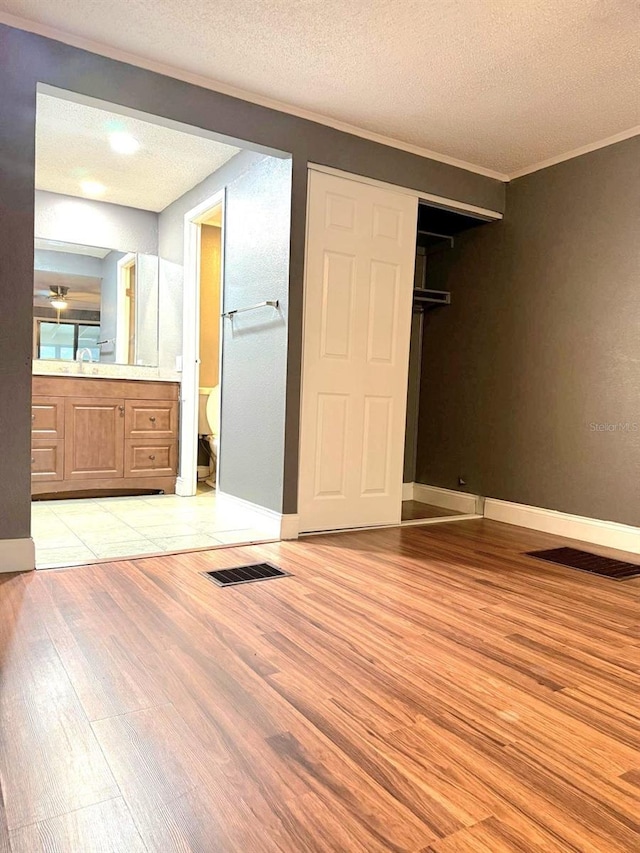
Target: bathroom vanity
<point>102,435</point>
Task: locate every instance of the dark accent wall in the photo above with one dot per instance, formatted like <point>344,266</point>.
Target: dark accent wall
<point>25,60</point>
<point>529,372</point>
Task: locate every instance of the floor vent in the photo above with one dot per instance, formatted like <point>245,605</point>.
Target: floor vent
<point>246,574</point>
<point>587,562</point>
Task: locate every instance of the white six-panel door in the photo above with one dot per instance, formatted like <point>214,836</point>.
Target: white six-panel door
<point>361,244</point>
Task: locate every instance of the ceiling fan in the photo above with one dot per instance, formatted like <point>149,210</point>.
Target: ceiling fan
<point>58,297</point>
<point>63,296</point>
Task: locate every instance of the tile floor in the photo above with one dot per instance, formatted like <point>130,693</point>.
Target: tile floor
<point>73,532</point>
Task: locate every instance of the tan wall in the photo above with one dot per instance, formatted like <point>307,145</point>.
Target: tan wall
<point>210,306</point>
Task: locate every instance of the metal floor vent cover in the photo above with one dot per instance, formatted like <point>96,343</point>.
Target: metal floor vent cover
<point>246,574</point>
<point>573,558</point>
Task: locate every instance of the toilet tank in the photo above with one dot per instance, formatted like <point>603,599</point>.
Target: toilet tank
<point>204,427</point>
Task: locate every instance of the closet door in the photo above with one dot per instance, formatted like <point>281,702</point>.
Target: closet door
<point>361,244</point>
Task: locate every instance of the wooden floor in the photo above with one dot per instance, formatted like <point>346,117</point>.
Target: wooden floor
<point>414,510</point>
<point>415,689</point>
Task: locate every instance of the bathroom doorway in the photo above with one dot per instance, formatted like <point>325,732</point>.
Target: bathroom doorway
<point>202,346</point>
<point>118,393</point>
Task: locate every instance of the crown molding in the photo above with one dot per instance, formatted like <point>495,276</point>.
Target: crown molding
<point>241,94</point>
<point>576,152</point>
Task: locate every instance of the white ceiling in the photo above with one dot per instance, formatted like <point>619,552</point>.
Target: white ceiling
<point>501,84</point>
<point>72,146</point>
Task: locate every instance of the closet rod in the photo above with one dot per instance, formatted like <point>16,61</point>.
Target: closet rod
<point>434,234</point>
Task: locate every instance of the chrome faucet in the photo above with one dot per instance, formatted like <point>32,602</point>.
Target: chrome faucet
<point>81,354</point>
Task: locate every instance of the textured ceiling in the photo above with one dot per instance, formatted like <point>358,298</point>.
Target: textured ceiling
<point>72,146</point>
<point>502,84</point>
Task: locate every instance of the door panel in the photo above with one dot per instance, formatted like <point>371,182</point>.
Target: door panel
<point>382,341</point>
<point>376,447</point>
<point>330,468</point>
<point>338,284</point>
<point>94,446</point>
<point>358,293</point>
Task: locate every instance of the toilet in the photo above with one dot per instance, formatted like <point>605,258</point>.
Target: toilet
<point>209,424</point>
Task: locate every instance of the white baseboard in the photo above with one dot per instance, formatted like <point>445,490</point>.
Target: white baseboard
<point>610,534</point>
<point>182,490</point>
<point>447,498</point>
<point>407,491</point>
<point>279,526</point>
<point>289,526</point>
<point>17,555</point>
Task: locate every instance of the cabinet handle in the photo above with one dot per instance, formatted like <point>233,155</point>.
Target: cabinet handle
<point>33,417</point>
<point>152,419</point>
<point>121,409</point>
<point>33,461</point>
<point>152,456</point>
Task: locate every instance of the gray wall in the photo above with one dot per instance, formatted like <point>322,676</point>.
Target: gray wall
<point>542,341</point>
<point>254,349</point>
<point>95,223</point>
<point>68,263</point>
<point>171,251</point>
<point>25,60</point>
<point>254,358</point>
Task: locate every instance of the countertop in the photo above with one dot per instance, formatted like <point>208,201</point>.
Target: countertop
<point>93,370</point>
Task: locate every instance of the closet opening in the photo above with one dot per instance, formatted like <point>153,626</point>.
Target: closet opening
<point>439,229</point>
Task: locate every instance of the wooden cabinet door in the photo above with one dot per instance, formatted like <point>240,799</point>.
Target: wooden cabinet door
<point>94,443</point>
<point>151,419</point>
<point>47,460</point>
<point>47,417</point>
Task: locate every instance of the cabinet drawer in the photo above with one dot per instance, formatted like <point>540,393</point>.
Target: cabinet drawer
<point>150,458</point>
<point>47,417</point>
<point>151,419</point>
<point>47,459</point>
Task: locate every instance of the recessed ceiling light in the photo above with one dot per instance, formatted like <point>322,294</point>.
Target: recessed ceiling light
<point>123,143</point>
<point>92,188</point>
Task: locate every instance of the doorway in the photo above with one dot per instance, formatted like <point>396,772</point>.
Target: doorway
<point>111,367</point>
<point>201,392</point>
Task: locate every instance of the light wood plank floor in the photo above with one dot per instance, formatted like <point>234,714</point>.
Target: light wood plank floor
<point>417,689</point>
<point>414,510</point>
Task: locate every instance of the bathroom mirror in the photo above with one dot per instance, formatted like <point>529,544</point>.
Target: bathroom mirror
<point>94,304</point>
